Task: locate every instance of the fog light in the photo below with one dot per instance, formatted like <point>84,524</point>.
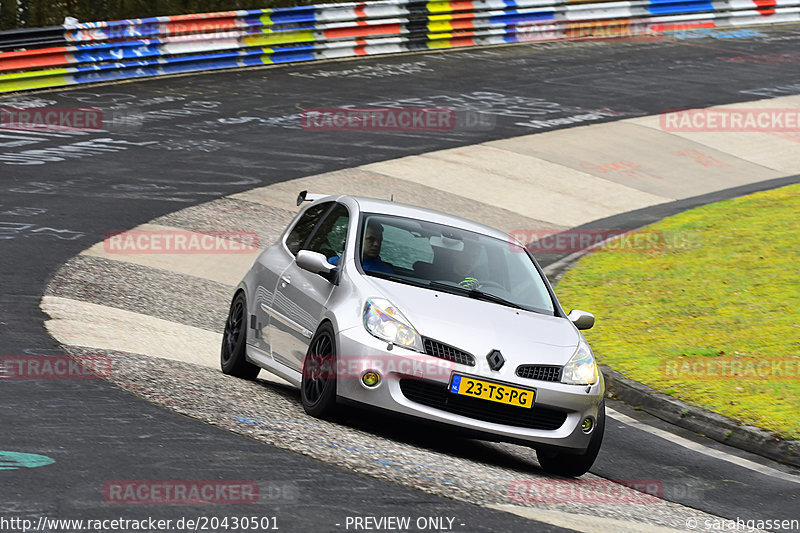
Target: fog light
<point>587,425</point>
<point>370,378</point>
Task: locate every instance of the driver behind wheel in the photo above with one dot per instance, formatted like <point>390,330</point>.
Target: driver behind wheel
<point>373,240</point>
<point>371,258</point>
<point>464,265</point>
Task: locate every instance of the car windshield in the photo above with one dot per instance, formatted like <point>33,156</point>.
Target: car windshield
<point>454,260</point>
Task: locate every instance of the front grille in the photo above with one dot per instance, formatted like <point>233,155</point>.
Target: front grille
<point>445,351</point>
<point>540,372</point>
<point>437,395</point>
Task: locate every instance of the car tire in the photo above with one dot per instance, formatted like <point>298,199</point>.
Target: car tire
<point>318,382</point>
<point>234,339</point>
<point>572,465</point>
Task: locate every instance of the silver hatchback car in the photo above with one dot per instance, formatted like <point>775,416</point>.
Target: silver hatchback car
<point>420,313</point>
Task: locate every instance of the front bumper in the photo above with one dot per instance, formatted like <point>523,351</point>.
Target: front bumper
<point>358,351</point>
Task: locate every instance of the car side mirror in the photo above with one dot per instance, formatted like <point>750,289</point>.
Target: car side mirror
<point>581,319</point>
<point>315,263</point>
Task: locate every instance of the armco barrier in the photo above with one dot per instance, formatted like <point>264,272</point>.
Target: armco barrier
<point>105,51</point>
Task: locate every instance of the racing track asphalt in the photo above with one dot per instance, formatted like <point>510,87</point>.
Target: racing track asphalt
<point>184,155</point>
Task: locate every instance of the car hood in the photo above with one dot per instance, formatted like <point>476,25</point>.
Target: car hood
<point>478,326</point>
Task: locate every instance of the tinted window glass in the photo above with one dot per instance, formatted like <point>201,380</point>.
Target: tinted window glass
<point>297,237</point>
<point>426,254</point>
<point>329,239</point>
<point>401,248</point>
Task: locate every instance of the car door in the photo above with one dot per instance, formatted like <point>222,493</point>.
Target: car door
<point>268,269</point>
<point>300,296</point>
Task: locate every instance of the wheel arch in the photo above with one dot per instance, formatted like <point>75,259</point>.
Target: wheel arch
<point>330,318</point>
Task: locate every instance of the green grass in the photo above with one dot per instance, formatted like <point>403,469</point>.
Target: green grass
<point>726,290</point>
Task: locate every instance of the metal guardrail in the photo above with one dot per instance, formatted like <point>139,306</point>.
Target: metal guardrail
<point>32,37</point>
<point>114,50</point>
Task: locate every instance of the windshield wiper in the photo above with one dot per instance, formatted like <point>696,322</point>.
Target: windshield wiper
<point>480,295</point>
<point>446,287</point>
<point>398,279</point>
<point>475,293</point>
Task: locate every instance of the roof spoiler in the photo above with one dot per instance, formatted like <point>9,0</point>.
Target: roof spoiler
<point>304,196</point>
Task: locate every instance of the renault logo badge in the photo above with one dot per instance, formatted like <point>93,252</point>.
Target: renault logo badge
<point>496,360</point>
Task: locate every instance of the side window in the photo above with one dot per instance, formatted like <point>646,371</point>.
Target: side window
<point>299,234</point>
<point>329,239</point>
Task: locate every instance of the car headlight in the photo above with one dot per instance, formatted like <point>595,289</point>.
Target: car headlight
<point>581,368</point>
<point>385,321</point>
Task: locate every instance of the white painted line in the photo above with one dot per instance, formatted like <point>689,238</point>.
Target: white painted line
<point>775,150</point>
<point>531,190</point>
<point>360,182</point>
<point>77,323</point>
<point>222,266</point>
<point>546,178</point>
<point>581,522</point>
<point>699,448</point>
